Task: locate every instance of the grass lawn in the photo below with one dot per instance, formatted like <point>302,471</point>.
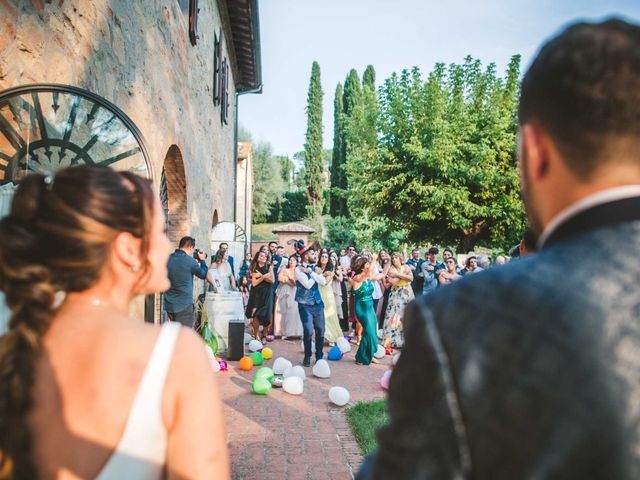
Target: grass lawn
<point>364,419</point>
<point>262,231</point>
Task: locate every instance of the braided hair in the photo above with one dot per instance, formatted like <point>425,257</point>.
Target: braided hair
<point>57,238</point>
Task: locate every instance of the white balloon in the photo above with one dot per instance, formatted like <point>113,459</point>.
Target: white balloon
<point>339,396</point>
<point>321,369</point>
<point>380,353</point>
<point>343,345</point>
<point>280,365</point>
<point>255,345</point>
<point>313,346</point>
<point>395,358</point>
<point>212,358</point>
<point>293,385</point>
<point>298,371</point>
<point>247,338</point>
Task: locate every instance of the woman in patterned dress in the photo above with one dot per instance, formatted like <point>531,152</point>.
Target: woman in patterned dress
<point>398,280</point>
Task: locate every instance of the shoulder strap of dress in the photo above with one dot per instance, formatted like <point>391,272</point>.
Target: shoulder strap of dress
<point>141,451</point>
<point>146,410</point>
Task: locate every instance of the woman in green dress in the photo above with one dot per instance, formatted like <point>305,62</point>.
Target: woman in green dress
<point>363,275</point>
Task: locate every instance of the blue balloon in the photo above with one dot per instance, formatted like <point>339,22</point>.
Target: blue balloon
<point>335,353</point>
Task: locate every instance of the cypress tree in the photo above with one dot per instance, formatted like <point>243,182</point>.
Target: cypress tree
<point>335,203</point>
<point>369,78</point>
<point>314,176</point>
<point>352,97</point>
<point>352,92</point>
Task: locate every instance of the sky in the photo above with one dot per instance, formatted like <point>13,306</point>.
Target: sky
<point>391,35</point>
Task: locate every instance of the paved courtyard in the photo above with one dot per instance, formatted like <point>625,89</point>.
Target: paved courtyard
<point>289,437</point>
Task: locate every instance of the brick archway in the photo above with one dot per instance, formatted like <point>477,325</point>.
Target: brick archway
<point>173,194</point>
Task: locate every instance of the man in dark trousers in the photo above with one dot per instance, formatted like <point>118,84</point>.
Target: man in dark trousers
<point>532,370</point>
<point>310,303</point>
<point>178,300</point>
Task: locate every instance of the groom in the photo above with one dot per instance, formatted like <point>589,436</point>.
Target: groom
<point>309,301</point>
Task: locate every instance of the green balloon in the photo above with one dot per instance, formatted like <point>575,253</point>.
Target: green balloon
<point>257,358</point>
<point>265,372</point>
<point>261,386</point>
<point>209,338</point>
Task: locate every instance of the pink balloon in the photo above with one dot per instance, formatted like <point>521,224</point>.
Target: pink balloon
<point>384,381</point>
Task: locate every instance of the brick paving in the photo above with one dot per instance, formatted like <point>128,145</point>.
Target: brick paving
<point>281,436</point>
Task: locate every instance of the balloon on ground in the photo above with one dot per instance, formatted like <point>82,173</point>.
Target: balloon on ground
<point>265,372</point>
<point>255,345</point>
<point>257,358</point>
<point>321,369</point>
<point>261,386</point>
<point>344,345</point>
<point>335,353</point>
<point>296,371</point>
<point>280,365</point>
<point>246,364</point>
<point>293,385</point>
<point>339,396</point>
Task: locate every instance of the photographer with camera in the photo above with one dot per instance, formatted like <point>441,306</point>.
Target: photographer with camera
<point>183,264</point>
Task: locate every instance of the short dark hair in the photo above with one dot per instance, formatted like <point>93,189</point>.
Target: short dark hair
<point>223,243</point>
<point>433,251</point>
<point>272,243</point>
<point>583,88</point>
<point>187,242</point>
<point>448,250</point>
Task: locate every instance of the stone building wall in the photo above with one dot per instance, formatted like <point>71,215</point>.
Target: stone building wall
<point>137,54</point>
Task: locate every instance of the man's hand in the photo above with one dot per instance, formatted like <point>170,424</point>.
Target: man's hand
<point>202,255</point>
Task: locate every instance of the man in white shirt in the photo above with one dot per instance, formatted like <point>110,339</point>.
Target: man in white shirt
<point>310,303</point>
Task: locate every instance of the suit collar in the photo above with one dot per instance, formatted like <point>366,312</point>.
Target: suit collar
<point>602,215</point>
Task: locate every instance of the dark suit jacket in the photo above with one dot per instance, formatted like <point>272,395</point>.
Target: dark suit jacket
<point>528,371</point>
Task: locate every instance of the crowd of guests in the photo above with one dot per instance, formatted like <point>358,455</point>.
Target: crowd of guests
<point>268,285</point>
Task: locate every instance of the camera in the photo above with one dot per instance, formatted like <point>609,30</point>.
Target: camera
<point>198,251</point>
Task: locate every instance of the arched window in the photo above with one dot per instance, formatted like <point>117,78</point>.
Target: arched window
<point>44,128</point>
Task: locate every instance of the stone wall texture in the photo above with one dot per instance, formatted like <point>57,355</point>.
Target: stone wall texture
<point>137,54</point>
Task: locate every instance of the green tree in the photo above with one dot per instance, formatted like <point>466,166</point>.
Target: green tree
<point>287,168</point>
<point>314,177</point>
<point>294,206</point>
<point>269,186</point>
<point>445,167</point>
<point>335,202</point>
<point>369,77</point>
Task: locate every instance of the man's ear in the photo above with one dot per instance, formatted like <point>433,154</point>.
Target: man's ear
<point>126,248</point>
<point>534,152</point>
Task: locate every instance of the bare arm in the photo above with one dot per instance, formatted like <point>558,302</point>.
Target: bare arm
<point>192,421</point>
<point>405,274</point>
<point>256,279</point>
<point>338,275</point>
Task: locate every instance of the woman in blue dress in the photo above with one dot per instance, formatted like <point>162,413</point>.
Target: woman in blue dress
<point>362,269</point>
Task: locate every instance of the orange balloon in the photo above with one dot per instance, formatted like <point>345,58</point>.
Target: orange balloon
<point>246,364</point>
